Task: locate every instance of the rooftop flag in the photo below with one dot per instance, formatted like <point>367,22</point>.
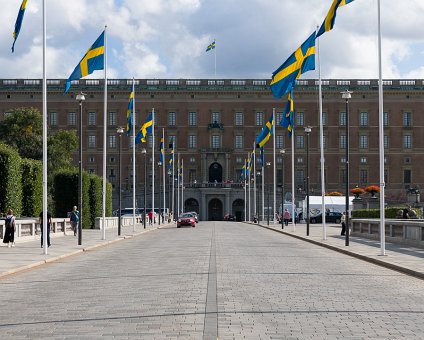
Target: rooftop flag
<point>93,60</point>
<point>330,19</point>
<point>287,121</point>
<point>301,61</point>
<point>266,132</point>
<point>18,23</point>
<point>129,112</point>
<point>146,129</point>
<point>211,46</point>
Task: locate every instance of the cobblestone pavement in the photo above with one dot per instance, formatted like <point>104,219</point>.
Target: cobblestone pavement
<point>219,280</point>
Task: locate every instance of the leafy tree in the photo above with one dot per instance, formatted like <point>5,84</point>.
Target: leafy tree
<point>60,146</point>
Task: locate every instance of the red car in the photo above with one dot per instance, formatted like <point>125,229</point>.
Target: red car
<point>186,219</point>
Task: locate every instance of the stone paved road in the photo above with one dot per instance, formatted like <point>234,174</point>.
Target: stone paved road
<point>218,280</point>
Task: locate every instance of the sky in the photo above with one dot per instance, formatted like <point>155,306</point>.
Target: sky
<point>168,38</point>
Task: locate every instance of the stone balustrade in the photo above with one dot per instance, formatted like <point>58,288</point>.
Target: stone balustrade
<point>28,228</point>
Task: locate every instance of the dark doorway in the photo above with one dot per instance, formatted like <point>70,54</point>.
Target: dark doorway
<point>215,173</point>
<point>215,210</point>
<point>238,209</point>
<point>191,205</point>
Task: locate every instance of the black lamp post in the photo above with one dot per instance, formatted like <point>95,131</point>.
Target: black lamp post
<point>282,153</point>
<point>160,202</point>
<point>80,97</point>
<point>268,165</point>
<point>144,152</point>
<point>120,131</point>
<point>347,95</point>
<point>308,130</point>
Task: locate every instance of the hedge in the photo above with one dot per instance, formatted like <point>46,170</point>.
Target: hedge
<point>11,176</point>
<point>32,187</point>
<point>375,213</point>
<point>96,196</point>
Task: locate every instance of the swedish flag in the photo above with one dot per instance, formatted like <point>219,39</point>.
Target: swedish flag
<point>243,172</point>
<point>171,157</point>
<point>266,132</point>
<point>287,121</point>
<point>211,46</point>
<point>330,19</point>
<point>92,61</point>
<point>18,23</point>
<point>301,61</point>
<point>181,170</point>
<point>146,129</point>
<point>161,152</point>
<point>130,112</point>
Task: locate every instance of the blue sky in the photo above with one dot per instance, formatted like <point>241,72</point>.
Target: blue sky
<point>168,38</point>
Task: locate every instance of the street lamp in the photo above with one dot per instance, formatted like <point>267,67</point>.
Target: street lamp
<point>308,130</point>
<point>144,152</point>
<point>120,131</point>
<point>347,95</point>
<point>282,153</point>
<point>258,176</point>
<point>160,202</point>
<point>80,97</point>
<point>268,165</point>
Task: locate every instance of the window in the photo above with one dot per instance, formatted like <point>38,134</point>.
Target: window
<point>191,175</point>
<point>192,141</point>
<point>239,119</point>
<point>112,141</point>
<point>259,118</point>
<point>342,141</point>
<point>300,143</point>
<point>343,160</point>
<point>342,118</point>
<point>239,142</point>
<point>72,118</point>
<point>92,118</point>
<point>192,160</point>
<point>131,145</point>
<point>363,160</point>
<point>299,160</point>
<point>91,141</point>
<point>216,141</point>
<point>386,176</point>
<point>150,141</point>
<point>407,176</point>
<point>324,119</point>
<point>386,141</point>
<point>324,139</point>
<point>300,177</point>
<point>216,117</point>
<point>407,119</point>
<point>91,159</point>
<point>385,118</point>
<point>278,117</point>
<point>300,118</point>
<point>239,160</point>
<point>192,118</point>
<point>363,119</point>
<point>279,141</point>
<point>171,118</point>
<point>343,175</point>
<point>363,176</point>
<point>407,142</point>
<point>53,118</point>
<point>172,140</point>
<point>363,142</point>
<point>112,118</point>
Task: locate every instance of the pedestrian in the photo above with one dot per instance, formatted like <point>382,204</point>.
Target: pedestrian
<point>286,217</point>
<point>150,217</point>
<point>49,225</point>
<point>9,235</point>
<point>343,221</point>
<point>74,217</point>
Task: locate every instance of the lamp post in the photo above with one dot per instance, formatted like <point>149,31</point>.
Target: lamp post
<point>268,165</point>
<point>144,152</point>
<point>347,95</point>
<point>80,97</point>
<point>160,202</point>
<point>258,176</point>
<point>308,130</point>
<point>282,153</point>
<point>120,131</point>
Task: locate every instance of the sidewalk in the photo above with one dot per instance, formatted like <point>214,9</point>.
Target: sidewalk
<point>29,254</point>
<point>403,258</point>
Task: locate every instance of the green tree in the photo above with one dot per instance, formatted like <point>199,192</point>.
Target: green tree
<point>61,146</point>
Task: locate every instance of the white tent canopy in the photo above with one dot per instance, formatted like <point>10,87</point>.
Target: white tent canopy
<point>332,203</point>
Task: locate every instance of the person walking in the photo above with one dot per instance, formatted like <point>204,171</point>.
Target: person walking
<point>286,217</point>
<point>9,235</point>
<point>74,217</point>
<point>49,225</point>
<point>150,217</point>
<point>343,221</point>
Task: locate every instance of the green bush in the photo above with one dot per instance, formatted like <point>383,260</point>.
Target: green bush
<point>375,213</point>
<point>11,176</point>
<point>96,203</point>
<point>32,187</point>
<point>108,199</point>
<point>65,192</point>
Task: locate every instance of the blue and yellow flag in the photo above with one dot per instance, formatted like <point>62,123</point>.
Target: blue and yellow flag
<point>92,61</point>
<point>330,19</point>
<point>181,170</point>
<point>161,152</point>
<point>130,112</point>
<point>18,23</point>
<point>301,61</point>
<point>146,129</point>
<point>266,132</point>
<point>288,121</point>
<point>171,157</point>
<point>243,172</point>
<point>211,46</point>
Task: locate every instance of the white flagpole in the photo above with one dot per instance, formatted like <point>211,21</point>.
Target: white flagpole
<point>173,180</point>
<point>178,186</point>
<point>104,141</point>
<point>263,188</point>
<point>164,173</point>
<point>321,137</point>
<point>182,185</point>
<point>44,226</point>
<point>215,55</point>
<point>153,165</point>
<point>245,196</point>
<point>381,133</point>
<point>133,153</point>
<point>254,181</point>
<point>248,188</point>
<point>293,188</point>
<point>275,174</point>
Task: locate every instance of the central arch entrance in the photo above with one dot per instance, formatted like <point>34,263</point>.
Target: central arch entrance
<point>238,210</point>
<point>215,210</point>
<point>215,173</point>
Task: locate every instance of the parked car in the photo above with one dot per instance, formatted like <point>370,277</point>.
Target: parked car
<point>332,217</point>
<point>229,217</point>
<point>196,216</point>
<point>186,219</point>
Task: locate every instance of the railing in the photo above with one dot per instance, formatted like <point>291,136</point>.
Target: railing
<point>213,185</point>
<point>29,228</point>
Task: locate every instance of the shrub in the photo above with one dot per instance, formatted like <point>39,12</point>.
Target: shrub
<point>32,187</point>
<point>334,193</point>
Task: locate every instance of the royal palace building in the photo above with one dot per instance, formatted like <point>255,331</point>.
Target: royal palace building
<point>213,124</point>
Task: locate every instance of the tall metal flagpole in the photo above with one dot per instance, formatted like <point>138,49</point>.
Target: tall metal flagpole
<point>321,138</point>
<point>163,173</point>
<point>153,164</point>
<point>248,187</point>
<point>381,133</point>
<point>245,197</point>
<point>275,174</point>
<point>293,188</point>
<point>254,181</point>
<point>263,187</point>
<point>173,180</point>
<point>182,185</point>
<point>104,142</point>
<point>178,186</point>
<point>44,133</point>
<point>215,55</point>
<point>133,152</point>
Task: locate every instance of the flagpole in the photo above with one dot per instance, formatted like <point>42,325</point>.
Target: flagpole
<point>153,165</point>
<point>245,198</point>
<point>263,187</point>
<point>178,186</point>
<point>215,55</point>
<point>321,137</point>
<point>173,180</point>
<point>381,133</point>
<point>275,175</point>
<point>254,181</point>
<point>104,141</point>
<point>182,185</point>
<point>133,152</point>
<point>248,188</point>
<point>163,173</point>
<point>44,226</point>
<point>293,188</point>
